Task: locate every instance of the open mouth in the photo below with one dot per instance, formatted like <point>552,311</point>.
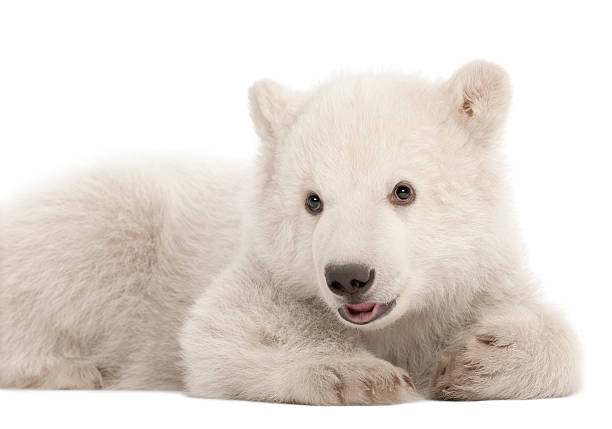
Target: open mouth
<point>365,312</point>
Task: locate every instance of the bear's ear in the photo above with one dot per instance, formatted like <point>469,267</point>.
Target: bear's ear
<point>273,108</point>
<point>480,92</point>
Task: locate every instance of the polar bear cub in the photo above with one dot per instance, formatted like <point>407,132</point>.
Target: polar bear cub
<point>369,256</point>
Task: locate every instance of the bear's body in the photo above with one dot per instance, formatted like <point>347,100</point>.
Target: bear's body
<point>97,272</point>
<point>231,281</point>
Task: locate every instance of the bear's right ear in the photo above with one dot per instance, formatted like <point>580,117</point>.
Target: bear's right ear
<point>273,108</point>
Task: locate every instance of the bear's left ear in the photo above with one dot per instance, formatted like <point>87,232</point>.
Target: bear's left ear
<point>273,108</point>
<point>480,92</point>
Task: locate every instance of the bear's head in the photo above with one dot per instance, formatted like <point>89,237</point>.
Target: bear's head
<point>383,194</point>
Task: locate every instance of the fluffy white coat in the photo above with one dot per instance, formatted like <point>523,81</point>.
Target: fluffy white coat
<point>211,278</point>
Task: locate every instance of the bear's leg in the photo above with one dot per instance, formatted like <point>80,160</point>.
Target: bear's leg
<point>245,340</point>
<point>52,373</point>
<point>517,352</point>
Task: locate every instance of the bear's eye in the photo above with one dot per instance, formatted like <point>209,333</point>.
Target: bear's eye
<point>314,204</point>
<point>403,194</point>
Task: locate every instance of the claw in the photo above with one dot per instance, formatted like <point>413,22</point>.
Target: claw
<point>396,381</point>
<point>487,339</point>
<point>409,382</point>
<point>338,389</point>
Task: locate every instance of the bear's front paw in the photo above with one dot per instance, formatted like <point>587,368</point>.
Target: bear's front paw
<point>356,381</point>
<point>484,368</point>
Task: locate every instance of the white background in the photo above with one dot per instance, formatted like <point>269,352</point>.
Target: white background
<point>85,80</point>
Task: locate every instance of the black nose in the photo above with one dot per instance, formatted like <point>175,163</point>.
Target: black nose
<point>349,279</point>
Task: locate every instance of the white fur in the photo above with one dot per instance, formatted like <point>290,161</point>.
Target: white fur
<point>97,274</point>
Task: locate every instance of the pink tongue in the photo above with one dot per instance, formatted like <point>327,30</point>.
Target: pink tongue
<point>364,306</point>
<point>361,313</point>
